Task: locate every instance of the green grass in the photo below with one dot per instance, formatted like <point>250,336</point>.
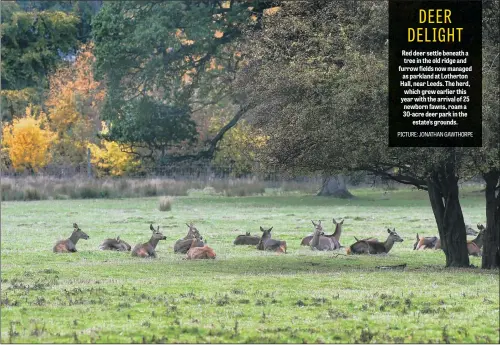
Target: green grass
<point>244,295</point>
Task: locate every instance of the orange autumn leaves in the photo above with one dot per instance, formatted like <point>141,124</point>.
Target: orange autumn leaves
<point>71,124</point>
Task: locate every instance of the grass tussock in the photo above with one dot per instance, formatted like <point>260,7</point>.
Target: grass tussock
<point>166,203</point>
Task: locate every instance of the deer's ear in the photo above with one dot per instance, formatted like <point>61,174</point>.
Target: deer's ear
<point>319,222</point>
<point>118,238</point>
<point>187,225</point>
<point>313,222</point>
<point>75,225</point>
<point>158,228</point>
<point>271,228</point>
<point>261,229</point>
<point>417,237</point>
<point>151,227</point>
<point>389,230</point>
<point>342,221</point>
<point>334,221</point>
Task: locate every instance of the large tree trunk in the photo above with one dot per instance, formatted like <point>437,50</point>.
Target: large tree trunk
<point>443,194</point>
<point>335,186</point>
<point>491,249</point>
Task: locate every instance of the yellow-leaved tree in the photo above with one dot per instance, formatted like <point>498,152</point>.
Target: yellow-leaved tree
<point>239,148</point>
<point>109,159</point>
<point>27,141</point>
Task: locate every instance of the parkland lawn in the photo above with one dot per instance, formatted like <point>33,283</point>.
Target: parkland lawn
<point>245,295</point>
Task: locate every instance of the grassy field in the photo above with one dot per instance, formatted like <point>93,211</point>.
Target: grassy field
<point>244,295</point>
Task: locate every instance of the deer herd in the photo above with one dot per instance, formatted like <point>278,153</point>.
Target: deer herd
<point>195,248</point>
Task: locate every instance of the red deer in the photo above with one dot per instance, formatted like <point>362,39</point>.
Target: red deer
<point>435,242</point>
<point>204,252</point>
<point>246,239</point>
<point>375,247</point>
<point>319,241</point>
<point>184,244</point>
<point>426,243</point>
<point>115,244</point>
<point>306,241</point>
<point>69,245</point>
<point>267,243</point>
<point>474,246</point>
<point>148,249</point>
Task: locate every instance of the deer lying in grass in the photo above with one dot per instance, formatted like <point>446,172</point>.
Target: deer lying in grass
<point>246,239</point>
<point>435,242</point>
<point>306,241</point>
<point>375,247</point>
<point>148,249</point>
<point>320,242</point>
<point>267,243</point>
<point>426,243</point>
<point>115,244</point>
<point>474,246</point>
<point>184,244</point>
<point>204,252</point>
<point>69,245</point>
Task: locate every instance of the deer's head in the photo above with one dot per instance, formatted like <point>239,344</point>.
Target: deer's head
<point>317,227</point>
<point>247,234</point>
<point>266,233</point>
<point>79,232</point>
<point>481,227</point>
<point>193,232</point>
<point>393,235</point>
<point>157,235</point>
<point>335,222</point>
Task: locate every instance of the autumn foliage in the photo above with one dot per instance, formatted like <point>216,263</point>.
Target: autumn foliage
<point>27,142</point>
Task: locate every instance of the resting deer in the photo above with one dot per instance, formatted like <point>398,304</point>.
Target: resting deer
<point>375,247</point>
<point>246,239</point>
<point>184,244</point>
<point>69,245</point>
<point>306,241</point>
<point>474,246</point>
<point>115,244</point>
<point>435,242</point>
<point>320,242</point>
<point>267,243</point>
<point>204,252</point>
<point>148,249</point>
<point>426,243</point>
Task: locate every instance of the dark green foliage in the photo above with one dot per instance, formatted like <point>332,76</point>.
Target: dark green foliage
<point>164,56</point>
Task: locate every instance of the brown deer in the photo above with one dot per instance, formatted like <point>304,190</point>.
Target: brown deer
<point>474,246</point>
<point>115,244</point>
<point>375,247</point>
<point>246,239</point>
<point>426,243</point>
<point>435,242</point>
<point>204,252</point>
<point>184,244</point>
<point>267,243</point>
<point>69,245</point>
<point>320,242</point>
<point>148,249</point>
<point>306,241</point>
